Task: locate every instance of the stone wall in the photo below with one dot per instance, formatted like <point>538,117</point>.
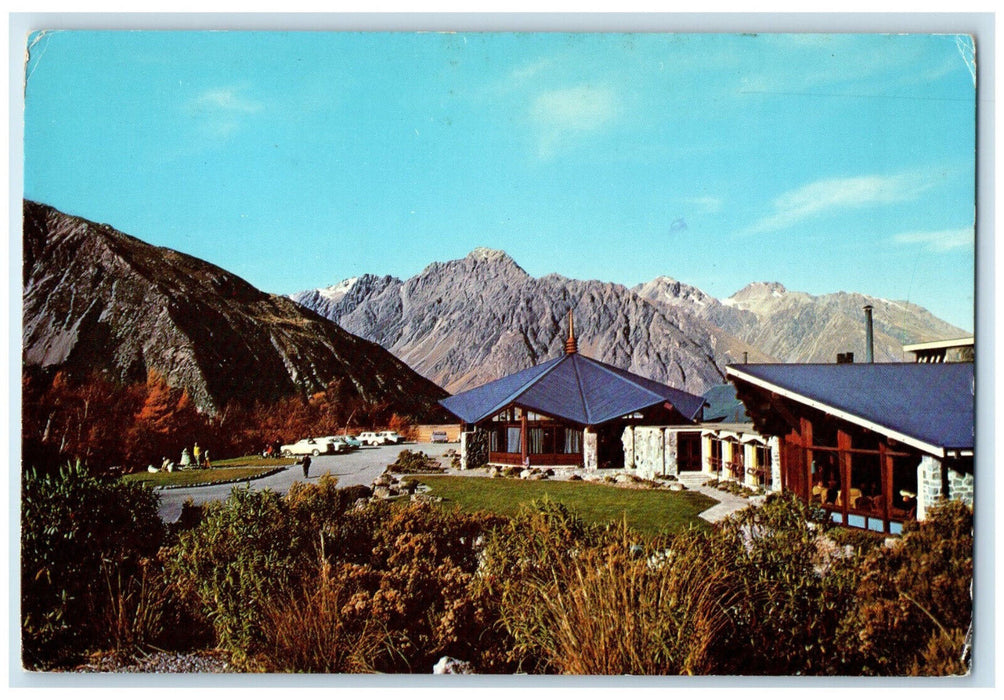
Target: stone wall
<point>930,481</point>
<point>627,441</point>
<point>928,484</point>
<point>960,486</point>
<point>473,449</point>
<point>672,452</point>
<point>775,463</point>
<point>651,450</point>
<point>590,450</point>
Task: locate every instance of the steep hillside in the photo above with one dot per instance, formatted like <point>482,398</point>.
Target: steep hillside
<point>96,299</point>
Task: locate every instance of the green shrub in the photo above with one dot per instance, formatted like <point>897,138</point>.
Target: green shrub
<point>403,572</point>
<point>517,563</point>
<point>84,545</point>
<point>914,599</point>
<point>791,594</point>
<point>244,551</point>
<point>864,541</point>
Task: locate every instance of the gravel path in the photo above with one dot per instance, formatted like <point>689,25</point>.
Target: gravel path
<point>161,662</point>
<point>728,503</point>
<point>360,466</point>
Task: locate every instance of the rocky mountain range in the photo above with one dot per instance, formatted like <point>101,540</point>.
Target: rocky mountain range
<point>96,299</point>
<point>464,322</point>
<point>799,327</point>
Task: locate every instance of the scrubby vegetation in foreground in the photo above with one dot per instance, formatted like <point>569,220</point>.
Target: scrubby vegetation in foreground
<point>317,581</point>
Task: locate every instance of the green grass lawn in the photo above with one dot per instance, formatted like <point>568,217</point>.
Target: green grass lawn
<point>222,470</point>
<point>647,511</point>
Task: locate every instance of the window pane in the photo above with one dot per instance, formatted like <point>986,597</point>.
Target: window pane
<point>573,441</point>
<point>512,441</point>
<point>535,440</point>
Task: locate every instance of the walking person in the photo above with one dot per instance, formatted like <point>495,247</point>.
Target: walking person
<point>306,466</point>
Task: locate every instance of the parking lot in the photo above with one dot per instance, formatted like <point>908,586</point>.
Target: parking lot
<point>357,467</point>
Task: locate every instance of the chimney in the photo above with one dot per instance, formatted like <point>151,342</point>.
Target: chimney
<point>869,344</point>
<point>746,357</point>
<point>571,347</point>
<point>845,358</point>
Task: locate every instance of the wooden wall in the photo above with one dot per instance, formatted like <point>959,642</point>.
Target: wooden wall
<point>452,431</point>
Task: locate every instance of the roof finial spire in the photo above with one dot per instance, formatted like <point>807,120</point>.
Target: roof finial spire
<point>571,347</point>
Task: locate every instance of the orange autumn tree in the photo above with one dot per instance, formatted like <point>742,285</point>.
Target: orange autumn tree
<point>166,422</point>
<point>67,420</point>
<point>404,426</point>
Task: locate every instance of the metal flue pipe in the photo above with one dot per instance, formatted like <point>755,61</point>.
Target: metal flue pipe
<point>869,340</point>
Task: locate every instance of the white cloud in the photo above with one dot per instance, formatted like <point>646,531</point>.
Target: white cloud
<point>570,113</point>
<point>222,109</point>
<point>225,100</point>
<point>835,194</point>
<point>582,108</point>
<point>708,205</point>
<point>530,70</point>
<point>938,241</point>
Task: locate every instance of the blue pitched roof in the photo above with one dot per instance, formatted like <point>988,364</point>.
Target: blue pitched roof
<point>574,388</point>
<point>931,405</point>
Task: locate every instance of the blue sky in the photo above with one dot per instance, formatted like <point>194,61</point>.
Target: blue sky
<point>295,160</point>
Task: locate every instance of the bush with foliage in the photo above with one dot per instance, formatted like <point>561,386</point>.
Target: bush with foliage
<point>245,550</point>
<point>85,571</point>
<point>517,564</point>
<point>612,611</point>
<point>391,595</point>
<point>791,595</point>
<point>581,599</point>
<point>915,598</point>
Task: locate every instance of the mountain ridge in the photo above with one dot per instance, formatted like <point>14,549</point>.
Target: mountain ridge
<point>665,329</point>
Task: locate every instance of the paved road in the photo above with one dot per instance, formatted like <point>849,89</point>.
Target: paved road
<point>359,467</point>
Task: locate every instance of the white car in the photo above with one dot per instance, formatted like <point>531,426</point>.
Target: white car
<point>384,437</point>
<point>337,443</point>
<point>308,446</point>
<point>371,438</point>
<point>390,437</point>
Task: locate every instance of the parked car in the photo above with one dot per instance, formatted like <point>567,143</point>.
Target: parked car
<point>371,438</point>
<point>337,443</point>
<point>308,446</point>
<point>439,436</point>
<point>350,441</point>
<point>390,437</point>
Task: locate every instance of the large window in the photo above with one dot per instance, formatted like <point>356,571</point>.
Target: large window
<point>547,440</point>
<point>854,474</point>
